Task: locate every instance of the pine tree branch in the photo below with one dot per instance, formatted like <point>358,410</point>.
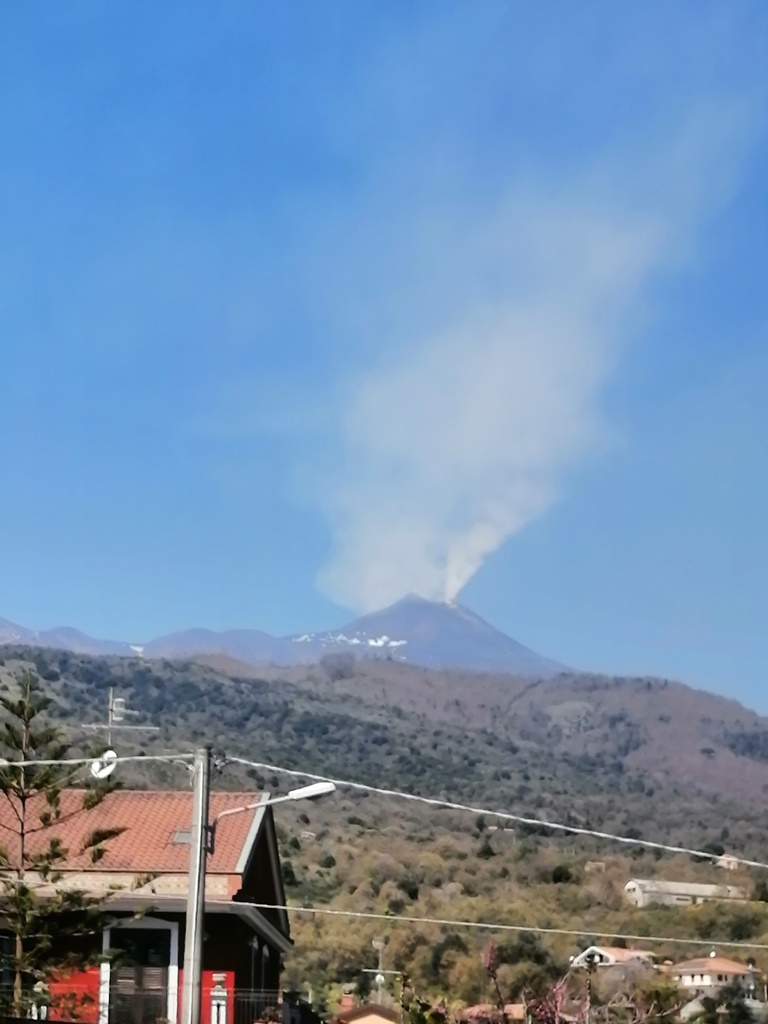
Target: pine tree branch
<point>14,808</point>
<point>56,822</point>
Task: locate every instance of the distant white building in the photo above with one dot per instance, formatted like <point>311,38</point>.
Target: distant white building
<point>706,975</point>
<point>593,866</point>
<point>646,892</point>
<point>611,956</point>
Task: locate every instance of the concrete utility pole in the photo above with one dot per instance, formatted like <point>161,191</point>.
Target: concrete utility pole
<point>201,844</point>
<point>193,946</point>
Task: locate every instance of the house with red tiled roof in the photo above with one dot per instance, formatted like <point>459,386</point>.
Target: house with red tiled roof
<point>706,975</point>
<point>143,876</point>
<point>367,1013</point>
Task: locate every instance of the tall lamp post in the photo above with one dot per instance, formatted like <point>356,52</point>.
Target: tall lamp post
<point>590,962</point>
<point>751,980</point>
<point>381,978</point>
<point>201,842</point>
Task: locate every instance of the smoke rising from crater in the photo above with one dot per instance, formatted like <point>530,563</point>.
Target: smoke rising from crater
<point>455,440</point>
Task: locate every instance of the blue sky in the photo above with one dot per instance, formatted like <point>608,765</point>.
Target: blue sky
<point>308,305</point>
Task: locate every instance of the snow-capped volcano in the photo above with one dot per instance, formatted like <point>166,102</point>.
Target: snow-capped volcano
<point>429,633</point>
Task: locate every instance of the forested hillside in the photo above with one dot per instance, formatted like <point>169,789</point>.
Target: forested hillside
<point>641,757</point>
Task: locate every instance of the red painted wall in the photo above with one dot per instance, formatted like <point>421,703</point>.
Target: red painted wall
<point>208,985</point>
<point>76,997</point>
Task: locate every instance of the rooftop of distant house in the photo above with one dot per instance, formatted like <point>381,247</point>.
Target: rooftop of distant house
<point>353,1013</point>
<point>622,955</point>
<point>709,964</point>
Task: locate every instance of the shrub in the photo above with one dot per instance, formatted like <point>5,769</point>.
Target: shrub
<point>561,874</point>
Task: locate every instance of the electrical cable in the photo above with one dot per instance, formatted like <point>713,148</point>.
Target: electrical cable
<point>497,926</point>
<point>89,760</point>
<point>503,815</point>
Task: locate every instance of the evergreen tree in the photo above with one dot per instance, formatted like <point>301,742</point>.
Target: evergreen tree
<point>736,1009</point>
<point>53,927</point>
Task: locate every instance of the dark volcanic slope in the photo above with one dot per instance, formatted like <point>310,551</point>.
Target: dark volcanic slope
<point>430,633</point>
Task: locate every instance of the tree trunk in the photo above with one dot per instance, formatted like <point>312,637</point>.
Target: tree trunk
<point>17,977</point>
<point>18,974</point>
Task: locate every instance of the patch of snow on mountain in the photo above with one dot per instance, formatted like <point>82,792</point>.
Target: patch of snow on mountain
<point>385,641</point>
<point>341,639</point>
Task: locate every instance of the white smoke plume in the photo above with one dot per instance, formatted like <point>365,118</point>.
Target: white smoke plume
<point>453,442</point>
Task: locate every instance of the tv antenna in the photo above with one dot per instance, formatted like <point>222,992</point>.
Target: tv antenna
<point>117,712</point>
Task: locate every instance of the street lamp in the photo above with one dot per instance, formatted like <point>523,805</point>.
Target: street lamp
<point>751,984</point>
<point>311,792</point>
<point>201,841</point>
<point>590,962</point>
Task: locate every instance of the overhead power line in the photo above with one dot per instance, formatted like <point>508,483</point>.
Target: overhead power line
<point>497,926</point>
<point>187,756</point>
<point>503,815</point>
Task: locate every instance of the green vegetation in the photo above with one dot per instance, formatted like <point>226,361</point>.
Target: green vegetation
<point>429,868</point>
<point>49,925</point>
<point>620,755</point>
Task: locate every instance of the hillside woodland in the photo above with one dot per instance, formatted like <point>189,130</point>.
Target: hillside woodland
<point>640,757</point>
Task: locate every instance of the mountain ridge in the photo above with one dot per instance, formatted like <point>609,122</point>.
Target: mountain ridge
<point>65,638</point>
<point>415,630</point>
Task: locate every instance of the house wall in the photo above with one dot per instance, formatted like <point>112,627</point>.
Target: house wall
<point>646,897</point>
<point>258,885</point>
<point>705,982</point>
<point>229,945</point>
<point>76,997</point>
<point>232,956</point>
<point>643,898</point>
<point>213,982</point>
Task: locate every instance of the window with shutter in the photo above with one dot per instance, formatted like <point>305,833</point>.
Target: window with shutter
<point>139,982</point>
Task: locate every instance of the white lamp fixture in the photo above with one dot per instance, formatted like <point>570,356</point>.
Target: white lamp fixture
<point>311,792</point>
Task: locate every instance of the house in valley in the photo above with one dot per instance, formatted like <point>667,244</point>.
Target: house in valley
<point>144,878</point>
<point>611,956</point>
<point>366,1013</point>
<point>646,892</point>
<point>707,975</point>
<point>615,966</point>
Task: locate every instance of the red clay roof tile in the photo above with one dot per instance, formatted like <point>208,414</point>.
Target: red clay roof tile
<point>150,819</point>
